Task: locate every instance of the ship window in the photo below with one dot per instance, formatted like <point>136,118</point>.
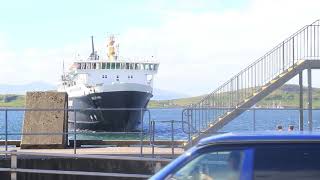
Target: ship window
<point>113,65</point>
<point>136,66</point>
<point>94,65</point>
<point>127,65</point>
<point>117,65</point>
<point>156,67</point>
<point>88,65</point>
<point>108,66</point>
<point>103,66</point>
<point>152,67</point>
<point>83,66</point>
<point>131,66</point>
<point>142,67</point>
<point>146,67</point>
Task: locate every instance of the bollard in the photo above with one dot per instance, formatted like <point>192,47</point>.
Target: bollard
<point>14,165</point>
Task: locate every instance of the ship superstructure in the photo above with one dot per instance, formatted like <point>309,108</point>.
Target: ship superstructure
<point>109,83</point>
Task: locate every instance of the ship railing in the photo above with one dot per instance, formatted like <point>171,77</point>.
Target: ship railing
<point>14,167</point>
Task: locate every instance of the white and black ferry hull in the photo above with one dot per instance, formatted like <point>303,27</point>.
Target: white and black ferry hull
<point>116,118</point>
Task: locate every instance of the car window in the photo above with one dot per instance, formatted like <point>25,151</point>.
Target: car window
<point>296,162</point>
<point>221,165</point>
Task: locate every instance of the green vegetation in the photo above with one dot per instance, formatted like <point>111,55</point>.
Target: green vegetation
<point>183,102</point>
<point>12,100</point>
<point>286,96</point>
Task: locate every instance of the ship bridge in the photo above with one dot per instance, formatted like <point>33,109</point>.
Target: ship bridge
<point>288,59</point>
<point>117,65</point>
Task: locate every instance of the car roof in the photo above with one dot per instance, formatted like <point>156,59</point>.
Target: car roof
<point>261,137</point>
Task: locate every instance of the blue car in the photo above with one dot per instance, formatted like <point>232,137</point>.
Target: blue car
<point>256,156</point>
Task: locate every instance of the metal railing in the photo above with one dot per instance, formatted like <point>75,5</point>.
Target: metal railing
<point>13,169</point>
<point>146,132</point>
<point>192,121</point>
<point>265,118</point>
<point>302,45</point>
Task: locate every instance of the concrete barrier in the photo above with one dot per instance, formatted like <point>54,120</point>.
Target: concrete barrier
<point>36,121</point>
<point>78,164</point>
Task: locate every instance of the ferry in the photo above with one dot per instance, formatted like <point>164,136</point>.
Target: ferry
<point>112,87</point>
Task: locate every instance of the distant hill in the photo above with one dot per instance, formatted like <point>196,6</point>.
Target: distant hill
<point>286,96</point>
<point>160,94</point>
<point>12,100</point>
<point>23,88</point>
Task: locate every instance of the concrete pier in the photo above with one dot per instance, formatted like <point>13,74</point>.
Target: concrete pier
<point>53,121</point>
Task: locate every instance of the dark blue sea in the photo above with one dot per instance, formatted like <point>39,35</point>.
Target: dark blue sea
<point>264,120</point>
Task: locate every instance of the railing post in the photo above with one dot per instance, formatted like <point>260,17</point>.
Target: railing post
<point>189,124</point>
<point>172,138</point>
<point>301,101</point>
<point>6,129</point>
<point>75,132</point>
<point>153,132</point>
<point>157,167</point>
<point>293,52</point>
<point>14,165</point>
<point>237,90</point>
<point>310,123</point>
<point>141,133</point>
<point>254,119</point>
<point>283,68</point>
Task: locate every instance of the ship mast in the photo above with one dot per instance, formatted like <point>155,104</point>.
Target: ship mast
<point>93,55</point>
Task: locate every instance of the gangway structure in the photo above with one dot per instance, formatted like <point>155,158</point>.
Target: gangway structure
<point>299,52</point>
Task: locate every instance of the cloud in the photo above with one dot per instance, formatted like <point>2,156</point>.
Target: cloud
<point>198,50</point>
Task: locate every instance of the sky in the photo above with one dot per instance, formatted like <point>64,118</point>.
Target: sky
<point>200,44</point>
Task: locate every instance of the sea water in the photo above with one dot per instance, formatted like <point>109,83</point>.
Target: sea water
<point>260,120</point>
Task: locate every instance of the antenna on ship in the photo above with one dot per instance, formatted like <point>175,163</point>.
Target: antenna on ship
<point>93,54</point>
<point>92,44</point>
<point>63,77</point>
<point>63,67</point>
